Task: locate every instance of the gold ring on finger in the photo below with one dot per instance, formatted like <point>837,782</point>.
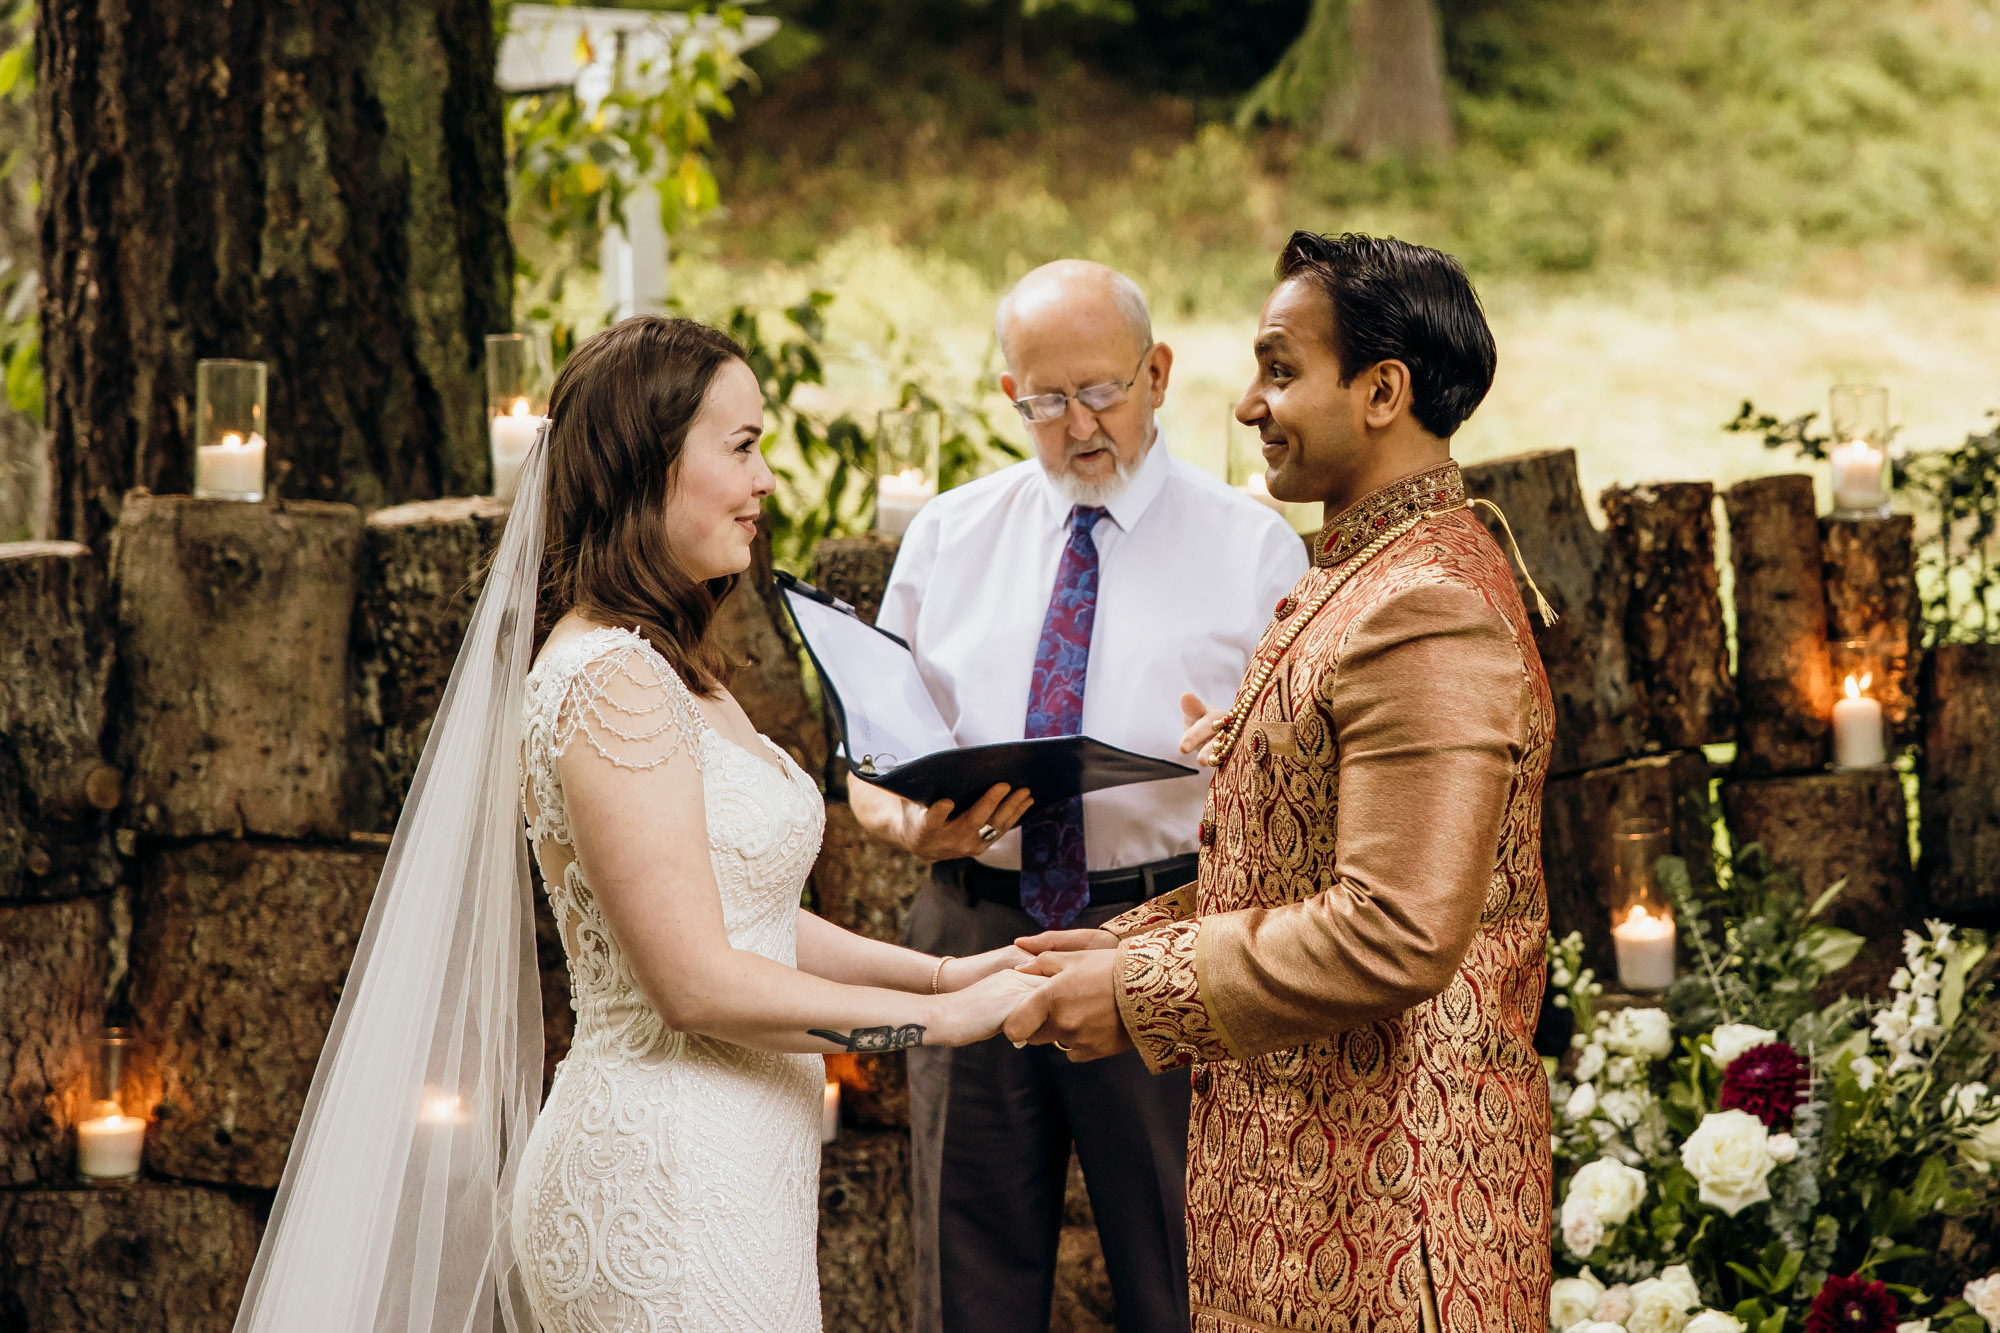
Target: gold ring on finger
<point>1064,1049</point>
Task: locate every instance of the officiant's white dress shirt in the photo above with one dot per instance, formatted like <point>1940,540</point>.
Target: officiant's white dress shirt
<point>1189,571</point>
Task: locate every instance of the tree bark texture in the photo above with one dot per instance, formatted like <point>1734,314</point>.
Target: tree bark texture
<point>1398,99</point>
<point>860,883</point>
<point>1784,679</point>
<point>764,672</point>
<point>239,952</point>
<point>171,1258</point>
<point>1870,566</point>
<point>1960,804</point>
<point>232,638</point>
<point>1582,812</point>
<point>1083,1301</point>
<point>422,567</point>
<point>1599,711</point>
<point>55,670</point>
<point>53,963</point>
<point>864,1232</point>
<point>1825,827</point>
<point>1674,632</point>
<point>317,186</point>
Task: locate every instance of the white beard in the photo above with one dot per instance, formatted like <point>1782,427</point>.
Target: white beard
<point>1093,494</point>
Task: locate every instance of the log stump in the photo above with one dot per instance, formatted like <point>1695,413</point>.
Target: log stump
<point>1871,594</point>
<point>1784,680</point>
<point>173,1258</point>
<point>861,884</point>
<point>239,952</point>
<point>53,967</point>
<point>1961,779</point>
<point>54,672</point>
<point>856,570</point>
<point>232,636</point>
<point>1599,709</point>
<point>1582,812</point>
<point>764,672</point>
<point>1675,638</point>
<point>865,1248</point>
<point>1825,827</point>
<point>422,567</point>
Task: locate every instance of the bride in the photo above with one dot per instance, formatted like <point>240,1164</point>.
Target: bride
<point>671,1181</point>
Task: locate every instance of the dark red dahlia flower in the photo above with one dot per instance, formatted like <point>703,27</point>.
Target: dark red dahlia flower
<point>1768,1081</point>
<point>1852,1305</point>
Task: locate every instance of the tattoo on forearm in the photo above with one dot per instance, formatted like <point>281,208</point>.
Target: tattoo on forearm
<point>874,1039</point>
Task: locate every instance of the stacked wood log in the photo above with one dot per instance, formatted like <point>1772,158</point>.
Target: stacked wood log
<point>1675,638</point>
<point>1783,674</point>
<point>1961,780</point>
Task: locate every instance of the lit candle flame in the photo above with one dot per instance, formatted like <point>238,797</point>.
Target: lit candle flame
<point>232,441</point>
<point>911,476</point>
<point>1855,689</point>
<point>520,408</point>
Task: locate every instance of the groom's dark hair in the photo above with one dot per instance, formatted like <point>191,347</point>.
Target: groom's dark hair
<point>1394,301</point>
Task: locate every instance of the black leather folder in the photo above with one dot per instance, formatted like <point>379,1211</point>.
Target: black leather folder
<point>891,734</point>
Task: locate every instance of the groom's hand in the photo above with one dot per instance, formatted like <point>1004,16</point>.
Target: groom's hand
<point>1078,1008</point>
<point>1067,941</point>
<point>1200,723</point>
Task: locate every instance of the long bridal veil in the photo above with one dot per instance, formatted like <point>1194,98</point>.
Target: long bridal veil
<point>393,1210</point>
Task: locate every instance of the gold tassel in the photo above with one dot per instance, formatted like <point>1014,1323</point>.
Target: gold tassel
<point>1549,616</point>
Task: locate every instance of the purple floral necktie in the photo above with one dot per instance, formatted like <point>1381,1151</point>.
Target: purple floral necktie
<point>1055,883</point>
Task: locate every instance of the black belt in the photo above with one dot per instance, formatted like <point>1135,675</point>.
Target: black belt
<point>1126,884</point>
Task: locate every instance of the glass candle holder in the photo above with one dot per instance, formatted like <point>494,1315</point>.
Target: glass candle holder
<point>520,371</point>
<point>1860,450</point>
<point>229,429</point>
<point>109,1143</point>
<point>1642,925</point>
<point>1859,733</point>
<point>906,466</point>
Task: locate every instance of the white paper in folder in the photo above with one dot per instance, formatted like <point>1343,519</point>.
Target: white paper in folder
<point>890,717</point>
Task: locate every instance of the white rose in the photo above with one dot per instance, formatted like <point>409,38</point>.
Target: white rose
<point>1984,1298</point>
<point>1647,1032</point>
<point>1623,1106</point>
<point>1572,1300</point>
<point>1661,1304</point>
<point>1783,1147</point>
<point>1622,1069</point>
<point>1581,1102</point>
<point>1616,1305</point>
<point>1591,1063</point>
<point>1713,1321</point>
<point>1729,1155</point>
<point>1732,1039</point>
<point>1914,1326</point>
<point>1582,1228</point>
<point>1982,1150</point>
<point>1612,1189</point>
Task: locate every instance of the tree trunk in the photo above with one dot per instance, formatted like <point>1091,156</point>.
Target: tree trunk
<point>1674,633</point>
<point>1960,814</point>
<point>1871,594</point>
<point>1784,681</point>
<point>53,959</point>
<point>318,186</point>
<point>1825,827</point>
<point>864,1231</point>
<point>1398,101</point>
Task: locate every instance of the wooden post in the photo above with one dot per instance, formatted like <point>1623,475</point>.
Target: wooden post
<point>53,964</point>
<point>140,1256</point>
<point>1581,812</point>
<point>1783,677</point>
<point>1674,631</point>
<point>1599,710</point>
<point>856,570</point>
<point>1871,594</point>
<point>764,670</point>
<point>864,1231</point>
<point>239,951</point>
<point>233,623</point>
<point>1961,778</point>
<point>1825,827</point>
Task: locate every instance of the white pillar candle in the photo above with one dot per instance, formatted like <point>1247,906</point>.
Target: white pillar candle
<point>829,1113</point>
<point>1257,489</point>
<point>898,498</point>
<point>108,1146</point>
<point>230,470</point>
<point>513,434</point>
<point>1857,477</point>
<point>1857,728</point>
<point>1645,945</point>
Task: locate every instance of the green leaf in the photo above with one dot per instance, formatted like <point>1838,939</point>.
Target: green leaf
<point>1832,891</point>
<point>1754,1277</point>
<point>12,62</point>
<point>1966,1323</point>
<point>1951,994</point>
<point>1830,947</point>
<point>1787,1271</point>
<point>1775,1324</point>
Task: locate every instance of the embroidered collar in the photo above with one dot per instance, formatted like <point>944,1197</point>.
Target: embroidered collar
<point>1361,522</point>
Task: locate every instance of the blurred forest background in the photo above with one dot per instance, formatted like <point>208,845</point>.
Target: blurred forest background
<point>1669,206</point>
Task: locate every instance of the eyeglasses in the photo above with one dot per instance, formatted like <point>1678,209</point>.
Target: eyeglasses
<point>1041,408</point>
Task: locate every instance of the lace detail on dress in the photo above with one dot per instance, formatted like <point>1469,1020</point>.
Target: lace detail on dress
<point>672,1181</point>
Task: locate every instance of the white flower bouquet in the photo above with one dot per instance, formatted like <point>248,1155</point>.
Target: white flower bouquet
<point>1744,1160</point>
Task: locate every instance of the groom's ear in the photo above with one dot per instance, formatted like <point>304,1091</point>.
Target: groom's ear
<point>1389,392</point>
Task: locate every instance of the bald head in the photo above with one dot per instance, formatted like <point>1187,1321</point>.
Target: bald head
<point>1074,297</point>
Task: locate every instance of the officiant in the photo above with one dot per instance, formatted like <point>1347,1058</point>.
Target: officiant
<point>1106,588</point>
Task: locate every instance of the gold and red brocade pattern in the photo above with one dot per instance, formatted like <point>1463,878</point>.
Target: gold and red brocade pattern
<point>1159,997</point>
<point>1321,1177</point>
<point>1439,489</point>
<point>1153,913</point>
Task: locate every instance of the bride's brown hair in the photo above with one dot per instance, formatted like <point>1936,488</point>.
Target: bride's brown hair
<point>619,419</point>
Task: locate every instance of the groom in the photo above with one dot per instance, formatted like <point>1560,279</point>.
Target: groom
<point>1354,975</point>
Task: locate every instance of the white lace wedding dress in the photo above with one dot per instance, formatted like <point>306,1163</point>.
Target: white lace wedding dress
<point>672,1180</point>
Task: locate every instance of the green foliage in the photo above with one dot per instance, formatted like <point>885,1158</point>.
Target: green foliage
<point>20,322</point>
<point>1956,496</point>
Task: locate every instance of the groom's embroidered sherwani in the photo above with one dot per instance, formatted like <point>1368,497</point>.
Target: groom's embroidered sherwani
<point>1355,975</point>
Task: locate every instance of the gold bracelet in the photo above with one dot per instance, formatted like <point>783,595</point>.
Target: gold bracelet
<point>937,973</point>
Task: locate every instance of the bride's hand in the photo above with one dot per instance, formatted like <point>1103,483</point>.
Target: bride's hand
<point>976,1013</point>
<point>962,972</point>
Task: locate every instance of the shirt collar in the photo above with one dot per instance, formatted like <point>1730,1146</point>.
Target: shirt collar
<point>1129,504</point>
<point>1441,488</point>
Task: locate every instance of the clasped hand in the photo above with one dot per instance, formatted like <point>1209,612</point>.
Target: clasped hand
<point>1078,1008</point>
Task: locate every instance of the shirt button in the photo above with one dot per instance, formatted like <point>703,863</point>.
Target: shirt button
<point>1200,1080</point>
